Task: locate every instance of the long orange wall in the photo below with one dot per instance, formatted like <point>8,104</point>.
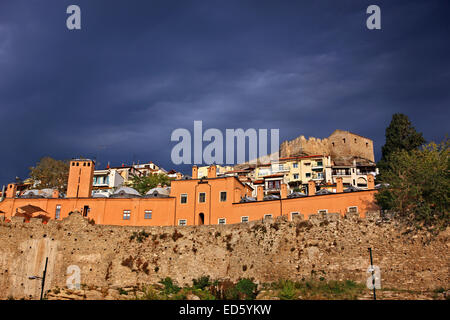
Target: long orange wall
<point>103,210</point>
<point>168,211</point>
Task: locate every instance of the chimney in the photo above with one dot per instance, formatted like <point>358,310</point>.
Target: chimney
<point>260,193</point>
<point>179,175</point>
<point>108,165</point>
<point>55,193</point>
<point>194,172</point>
<point>237,195</point>
<point>339,185</point>
<point>212,171</point>
<point>370,182</point>
<point>11,190</point>
<point>311,188</point>
<point>283,192</point>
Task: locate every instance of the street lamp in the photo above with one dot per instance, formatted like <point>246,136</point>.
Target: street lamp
<point>41,278</point>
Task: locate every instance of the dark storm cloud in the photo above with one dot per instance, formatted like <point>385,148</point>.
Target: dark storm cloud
<point>137,70</point>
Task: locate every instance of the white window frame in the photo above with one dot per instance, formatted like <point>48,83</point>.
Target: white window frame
<point>294,213</point>
<point>58,212</point>
<point>180,221</point>
<point>267,216</point>
<point>224,220</point>
<point>243,218</point>
<point>126,215</point>
<point>181,197</point>
<point>220,196</point>
<point>148,212</point>
<point>199,197</point>
<point>348,209</point>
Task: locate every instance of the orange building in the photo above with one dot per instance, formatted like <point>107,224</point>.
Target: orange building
<point>211,200</point>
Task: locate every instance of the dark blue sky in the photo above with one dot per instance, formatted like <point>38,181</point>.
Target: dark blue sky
<point>137,70</point>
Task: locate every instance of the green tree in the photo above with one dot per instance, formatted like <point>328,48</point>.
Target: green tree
<point>145,183</point>
<point>418,184</point>
<point>400,135</point>
<point>50,173</point>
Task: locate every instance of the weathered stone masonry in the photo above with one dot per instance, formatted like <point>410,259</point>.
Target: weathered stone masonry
<point>326,246</point>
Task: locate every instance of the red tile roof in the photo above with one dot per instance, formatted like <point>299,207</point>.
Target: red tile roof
<point>276,175</point>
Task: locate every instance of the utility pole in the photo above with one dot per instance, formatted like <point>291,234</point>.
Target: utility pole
<point>373,274</point>
<point>42,278</point>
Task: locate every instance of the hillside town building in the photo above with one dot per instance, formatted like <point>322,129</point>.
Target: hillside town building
<point>190,201</point>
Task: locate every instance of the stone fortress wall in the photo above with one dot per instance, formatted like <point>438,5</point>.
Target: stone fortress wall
<point>328,246</point>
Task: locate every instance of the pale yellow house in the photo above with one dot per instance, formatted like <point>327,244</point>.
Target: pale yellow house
<point>299,170</point>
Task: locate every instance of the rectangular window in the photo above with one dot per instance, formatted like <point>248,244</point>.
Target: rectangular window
<point>244,219</point>
<point>323,211</point>
<point>295,165</point>
<point>267,216</point>
<point>294,214</point>
<point>183,198</point>
<point>222,221</point>
<point>147,214</point>
<point>308,175</point>
<point>58,212</point>
<point>273,184</point>
<point>223,196</point>
<point>352,209</point>
<point>202,197</point>
<point>280,167</point>
<point>126,214</point>
<point>182,222</point>
<point>296,176</point>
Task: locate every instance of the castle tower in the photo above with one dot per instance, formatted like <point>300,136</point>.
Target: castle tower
<point>81,175</point>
